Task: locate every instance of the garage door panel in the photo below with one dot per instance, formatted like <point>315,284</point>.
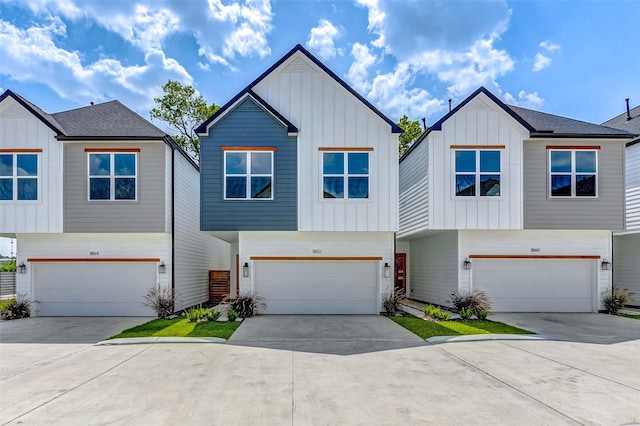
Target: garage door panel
<point>318,287</point>
<point>536,285</point>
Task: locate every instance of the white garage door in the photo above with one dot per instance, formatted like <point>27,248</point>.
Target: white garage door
<point>317,287</point>
<point>536,285</point>
<point>93,289</point>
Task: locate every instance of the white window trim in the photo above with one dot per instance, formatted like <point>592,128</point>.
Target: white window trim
<point>477,174</point>
<point>248,175</point>
<point>112,177</point>
<point>572,174</point>
<point>346,176</point>
<point>14,178</point>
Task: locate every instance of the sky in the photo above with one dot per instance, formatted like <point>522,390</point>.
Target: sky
<point>578,59</point>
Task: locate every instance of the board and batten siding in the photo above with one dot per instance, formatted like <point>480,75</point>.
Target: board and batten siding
<point>19,129</point>
<point>328,115</point>
<point>195,252</point>
<point>479,123</point>
<point>632,167</point>
<point>606,211</point>
<point>626,268</point>
<point>146,214</point>
<point>414,191</point>
<point>248,124</point>
<point>433,267</point>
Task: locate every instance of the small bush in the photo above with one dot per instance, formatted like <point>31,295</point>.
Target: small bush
<point>391,300</point>
<point>465,314</point>
<point>9,266</point>
<point>195,314</point>
<point>481,315</point>
<point>246,305</point>
<point>436,313</point>
<point>475,301</point>
<point>615,298</point>
<point>18,308</point>
<point>213,315</point>
<point>161,299</point>
<point>232,315</point>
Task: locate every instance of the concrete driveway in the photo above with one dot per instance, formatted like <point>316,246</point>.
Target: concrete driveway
<point>290,377</point>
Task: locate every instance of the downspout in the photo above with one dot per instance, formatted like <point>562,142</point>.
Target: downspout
<point>173,221</point>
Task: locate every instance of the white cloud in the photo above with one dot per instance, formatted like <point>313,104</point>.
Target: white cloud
<point>32,55</point>
<point>359,69</point>
<point>525,100</point>
<point>321,40</point>
<point>540,62</point>
<point>549,46</point>
<point>204,67</point>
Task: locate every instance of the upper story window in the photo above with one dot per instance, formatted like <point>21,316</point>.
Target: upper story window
<point>477,172</point>
<point>19,176</point>
<point>113,175</point>
<point>345,174</point>
<point>573,172</point>
<point>248,175</point>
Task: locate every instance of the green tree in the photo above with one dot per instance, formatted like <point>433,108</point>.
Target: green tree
<point>411,132</point>
<point>183,109</point>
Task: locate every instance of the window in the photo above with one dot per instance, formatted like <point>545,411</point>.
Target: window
<point>345,175</point>
<point>477,173</point>
<point>113,176</point>
<point>248,175</point>
<point>18,177</point>
<point>573,173</point>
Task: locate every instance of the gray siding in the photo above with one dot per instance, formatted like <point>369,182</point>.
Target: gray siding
<point>147,214</point>
<point>604,212</point>
<point>434,267</point>
<point>633,188</point>
<point>626,268</point>
<point>248,125</point>
<point>414,190</point>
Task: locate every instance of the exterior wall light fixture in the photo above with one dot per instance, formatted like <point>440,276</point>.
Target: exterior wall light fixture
<point>387,270</point>
<point>606,265</point>
<point>22,268</point>
<point>467,264</point>
<point>162,268</point>
<point>245,270</point>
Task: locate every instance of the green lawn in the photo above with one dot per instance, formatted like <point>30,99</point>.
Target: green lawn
<point>630,316</point>
<point>426,329</point>
<point>180,327</point>
<point>5,303</point>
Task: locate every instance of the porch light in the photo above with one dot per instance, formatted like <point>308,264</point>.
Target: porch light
<point>606,265</point>
<point>387,270</point>
<point>162,268</point>
<point>22,268</point>
<point>467,264</point>
<point>245,270</point>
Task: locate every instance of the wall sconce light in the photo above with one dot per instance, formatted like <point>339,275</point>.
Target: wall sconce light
<point>387,270</point>
<point>162,268</point>
<point>606,265</point>
<point>245,270</point>
<point>467,264</point>
<point>22,268</point>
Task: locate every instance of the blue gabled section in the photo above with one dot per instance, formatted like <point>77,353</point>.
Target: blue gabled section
<point>298,48</point>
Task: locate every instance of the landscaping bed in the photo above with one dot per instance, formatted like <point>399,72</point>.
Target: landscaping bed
<point>180,327</point>
<point>428,328</point>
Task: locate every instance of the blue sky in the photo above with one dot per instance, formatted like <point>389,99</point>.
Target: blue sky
<point>578,59</point>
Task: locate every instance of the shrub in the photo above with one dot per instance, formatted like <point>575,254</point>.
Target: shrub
<point>247,305</point>
<point>195,314</point>
<point>481,315</point>
<point>436,313</point>
<point>465,314</point>
<point>9,266</point>
<point>391,300</point>
<point>18,308</point>
<point>475,301</point>
<point>615,298</point>
<point>232,315</point>
<point>213,315</point>
<point>161,300</point>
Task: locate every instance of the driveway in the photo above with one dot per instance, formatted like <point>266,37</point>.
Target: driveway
<point>301,372</point>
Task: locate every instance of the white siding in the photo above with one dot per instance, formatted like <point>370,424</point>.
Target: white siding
<point>327,115</point>
<point>534,242</point>
<point>414,191</point>
<point>433,270</point>
<point>480,122</point>
<point>632,171</point>
<point>195,252</point>
<point>130,245</point>
<point>626,263</point>
<point>317,244</point>
<point>19,129</point>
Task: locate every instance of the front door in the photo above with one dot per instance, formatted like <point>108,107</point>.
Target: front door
<point>401,270</point>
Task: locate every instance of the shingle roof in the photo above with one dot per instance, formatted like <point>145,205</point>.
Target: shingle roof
<point>107,120</point>
<point>622,122</point>
<point>46,118</point>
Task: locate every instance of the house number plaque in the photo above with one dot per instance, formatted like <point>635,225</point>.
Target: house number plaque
<point>316,251</point>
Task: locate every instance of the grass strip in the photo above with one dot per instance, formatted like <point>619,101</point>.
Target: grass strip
<point>180,327</point>
<point>426,329</point>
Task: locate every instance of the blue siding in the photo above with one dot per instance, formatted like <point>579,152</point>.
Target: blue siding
<point>248,125</point>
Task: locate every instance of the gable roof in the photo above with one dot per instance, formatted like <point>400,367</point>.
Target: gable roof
<point>46,118</point>
<point>298,48</point>
<point>539,124</point>
<point>630,125</point>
